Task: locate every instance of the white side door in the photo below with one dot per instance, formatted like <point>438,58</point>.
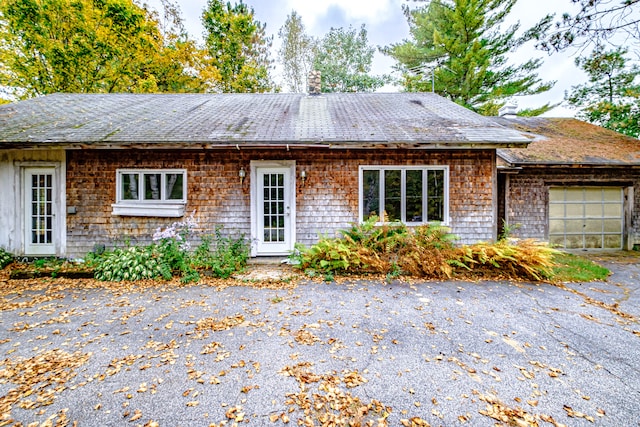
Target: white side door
<point>273,208</point>
<point>40,209</point>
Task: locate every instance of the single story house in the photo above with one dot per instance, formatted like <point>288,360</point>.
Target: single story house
<point>81,170</point>
<point>576,185</point>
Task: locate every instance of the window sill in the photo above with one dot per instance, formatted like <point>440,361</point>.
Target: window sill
<point>169,210</point>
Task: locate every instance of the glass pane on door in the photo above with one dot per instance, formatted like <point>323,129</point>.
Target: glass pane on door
<point>41,208</point>
<point>274,207</point>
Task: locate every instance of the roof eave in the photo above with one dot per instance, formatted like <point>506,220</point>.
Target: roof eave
<point>555,165</point>
<point>208,144</point>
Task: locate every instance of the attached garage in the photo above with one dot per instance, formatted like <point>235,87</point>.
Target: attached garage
<point>576,185</point>
<point>586,217</point>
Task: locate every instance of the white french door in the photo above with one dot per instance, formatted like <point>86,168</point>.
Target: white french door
<point>273,202</point>
<point>40,211</point>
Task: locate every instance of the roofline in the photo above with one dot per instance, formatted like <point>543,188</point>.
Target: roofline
<point>198,145</point>
<point>576,165</point>
<point>550,163</point>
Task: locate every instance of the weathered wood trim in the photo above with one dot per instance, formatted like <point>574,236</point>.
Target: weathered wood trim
<point>629,237</point>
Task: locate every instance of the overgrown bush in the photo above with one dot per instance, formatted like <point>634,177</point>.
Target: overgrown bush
<point>5,258</point>
<point>388,249</point>
<point>222,256</point>
<point>171,254</point>
<point>424,251</point>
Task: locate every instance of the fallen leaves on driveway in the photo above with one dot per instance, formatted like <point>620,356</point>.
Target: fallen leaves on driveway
<point>158,344</point>
<point>518,417</point>
<point>213,324</point>
<point>38,379</point>
<point>327,403</point>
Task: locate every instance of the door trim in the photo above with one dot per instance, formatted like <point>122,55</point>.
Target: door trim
<point>58,237</point>
<point>254,166</point>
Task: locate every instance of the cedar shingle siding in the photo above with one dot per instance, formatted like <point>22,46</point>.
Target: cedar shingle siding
<point>326,203</point>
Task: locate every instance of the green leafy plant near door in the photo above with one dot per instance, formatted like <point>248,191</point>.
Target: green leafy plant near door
<point>171,255</point>
<point>5,258</point>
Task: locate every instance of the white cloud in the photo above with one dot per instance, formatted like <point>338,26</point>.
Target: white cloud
<point>371,11</point>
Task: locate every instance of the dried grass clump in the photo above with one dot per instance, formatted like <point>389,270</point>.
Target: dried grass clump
<point>525,259</point>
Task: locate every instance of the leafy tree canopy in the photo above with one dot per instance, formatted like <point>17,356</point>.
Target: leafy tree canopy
<point>344,58</point>
<point>296,53</point>
<point>459,47</point>
<point>238,49</point>
<point>611,97</point>
<point>51,46</point>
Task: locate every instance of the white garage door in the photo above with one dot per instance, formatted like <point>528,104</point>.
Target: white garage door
<point>586,217</point>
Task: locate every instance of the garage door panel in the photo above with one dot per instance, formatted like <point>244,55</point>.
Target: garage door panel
<point>574,226</point>
<point>613,241</point>
<point>612,226</point>
<point>611,195</point>
<point>586,217</point>
<point>574,194</point>
<point>594,210</point>
<point>556,210</point>
<point>593,195</point>
<point>573,241</point>
<point>574,210</point>
<point>556,226</point>
<point>593,226</point>
<point>592,242</point>
<point>556,194</point>
<point>613,210</point>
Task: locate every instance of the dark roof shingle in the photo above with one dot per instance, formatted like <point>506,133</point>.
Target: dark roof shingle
<point>412,119</point>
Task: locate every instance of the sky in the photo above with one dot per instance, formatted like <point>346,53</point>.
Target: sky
<point>386,24</point>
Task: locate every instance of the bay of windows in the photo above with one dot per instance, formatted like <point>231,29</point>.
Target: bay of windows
<point>409,194</point>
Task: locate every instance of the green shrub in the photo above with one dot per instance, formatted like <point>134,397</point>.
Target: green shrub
<point>332,255</point>
<point>132,263</point>
<point>175,257</point>
<point>5,258</point>
<point>222,256</point>
<point>171,255</point>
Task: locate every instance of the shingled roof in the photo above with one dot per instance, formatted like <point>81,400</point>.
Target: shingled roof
<point>567,141</point>
<point>410,120</point>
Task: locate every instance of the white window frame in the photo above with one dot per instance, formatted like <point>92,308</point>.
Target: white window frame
<point>156,208</point>
<point>424,169</point>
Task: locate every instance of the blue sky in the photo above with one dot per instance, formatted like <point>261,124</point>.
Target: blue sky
<point>386,24</point>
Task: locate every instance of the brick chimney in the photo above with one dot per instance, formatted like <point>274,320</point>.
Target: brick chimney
<point>314,82</point>
<point>508,110</point>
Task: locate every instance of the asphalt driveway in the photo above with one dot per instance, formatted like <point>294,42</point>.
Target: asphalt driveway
<point>373,353</point>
